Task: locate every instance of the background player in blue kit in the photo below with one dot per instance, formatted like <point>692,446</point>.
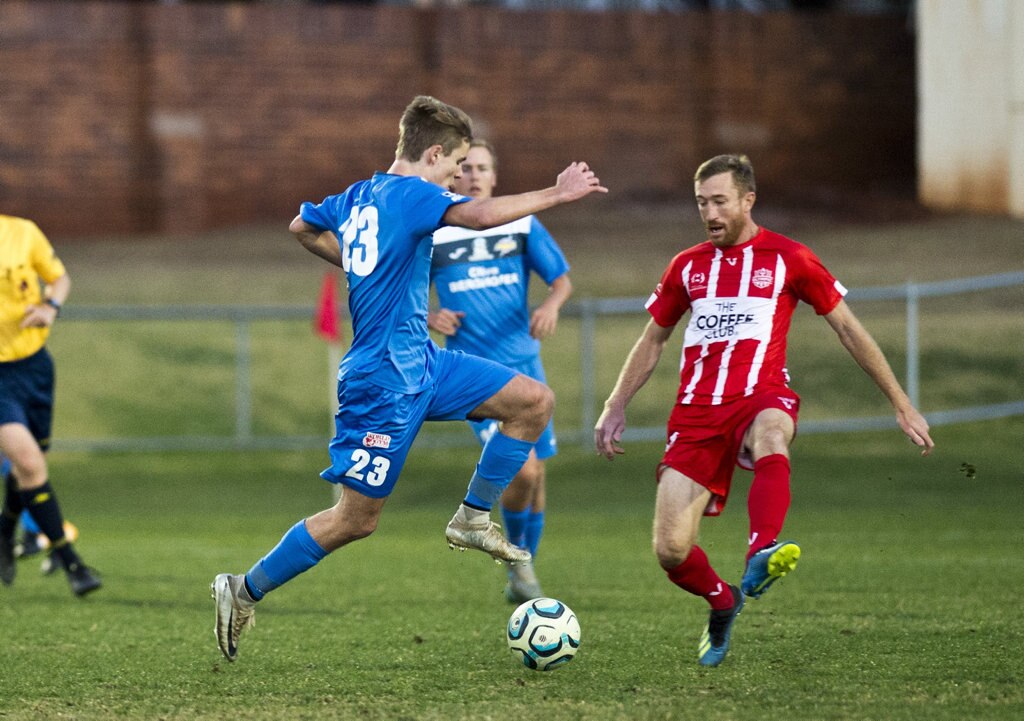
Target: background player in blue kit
<point>482,283</point>
<point>393,377</point>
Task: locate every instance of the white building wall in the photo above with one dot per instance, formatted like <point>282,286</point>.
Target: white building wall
<point>971,105</point>
<point>1016,24</point>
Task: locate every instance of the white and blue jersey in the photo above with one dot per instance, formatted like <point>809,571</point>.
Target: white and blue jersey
<point>486,273</point>
<point>394,377</point>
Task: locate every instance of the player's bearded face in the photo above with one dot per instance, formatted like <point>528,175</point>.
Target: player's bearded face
<point>722,210</point>
<point>725,229</point>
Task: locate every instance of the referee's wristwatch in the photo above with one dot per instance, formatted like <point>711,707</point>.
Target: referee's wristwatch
<point>53,304</point>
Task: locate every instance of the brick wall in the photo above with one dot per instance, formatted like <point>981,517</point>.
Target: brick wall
<point>125,118</point>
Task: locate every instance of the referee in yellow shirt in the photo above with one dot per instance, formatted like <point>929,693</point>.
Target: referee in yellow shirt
<point>33,286</point>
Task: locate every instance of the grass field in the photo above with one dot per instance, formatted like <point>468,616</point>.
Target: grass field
<point>904,605</point>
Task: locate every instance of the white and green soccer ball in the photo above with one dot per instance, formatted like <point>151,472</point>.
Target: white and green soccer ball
<point>543,633</point>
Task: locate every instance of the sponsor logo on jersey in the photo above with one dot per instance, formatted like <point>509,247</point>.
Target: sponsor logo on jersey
<point>463,246</point>
<point>698,281</point>
<point>729,319</point>
<point>480,251</point>
<point>483,278</point>
<point>377,440</point>
<point>762,278</point>
<point>722,324</point>
<point>506,245</point>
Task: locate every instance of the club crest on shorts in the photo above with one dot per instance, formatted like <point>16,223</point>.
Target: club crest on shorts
<point>376,440</point>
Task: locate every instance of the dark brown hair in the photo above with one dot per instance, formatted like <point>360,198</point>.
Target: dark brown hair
<point>427,121</point>
<point>740,167</point>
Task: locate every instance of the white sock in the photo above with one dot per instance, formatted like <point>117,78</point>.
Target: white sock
<point>473,516</point>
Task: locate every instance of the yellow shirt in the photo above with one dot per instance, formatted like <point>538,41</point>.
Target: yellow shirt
<point>26,258</point>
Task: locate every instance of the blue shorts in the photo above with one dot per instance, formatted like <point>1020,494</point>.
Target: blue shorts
<point>375,427</point>
<point>547,445</point>
<point>26,394</point>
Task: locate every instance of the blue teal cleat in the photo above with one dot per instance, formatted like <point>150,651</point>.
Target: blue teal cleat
<point>714,642</point>
<point>769,565</point>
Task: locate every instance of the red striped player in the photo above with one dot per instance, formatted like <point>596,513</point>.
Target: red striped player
<point>734,405</point>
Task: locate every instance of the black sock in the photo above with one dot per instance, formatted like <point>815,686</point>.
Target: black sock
<point>12,507</point>
<point>8,522</point>
<point>45,511</point>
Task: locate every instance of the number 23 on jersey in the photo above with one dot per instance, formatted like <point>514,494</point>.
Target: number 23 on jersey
<point>359,248</point>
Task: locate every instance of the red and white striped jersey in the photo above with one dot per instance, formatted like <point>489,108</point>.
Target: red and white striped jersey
<point>741,301</point>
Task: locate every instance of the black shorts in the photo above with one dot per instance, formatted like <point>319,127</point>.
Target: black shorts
<point>26,394</point>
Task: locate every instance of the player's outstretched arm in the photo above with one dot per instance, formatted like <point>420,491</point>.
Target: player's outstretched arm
<point>323,243</point>
<point>636,371</point>
<point>575,182</point>
<point>859,343</point>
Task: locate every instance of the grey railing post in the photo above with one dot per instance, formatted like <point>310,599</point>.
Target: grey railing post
<point>243,382</point>
<point>913,345</point>
<point>588,368</point>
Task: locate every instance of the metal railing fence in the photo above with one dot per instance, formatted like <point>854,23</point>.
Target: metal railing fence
<point>587,310</point>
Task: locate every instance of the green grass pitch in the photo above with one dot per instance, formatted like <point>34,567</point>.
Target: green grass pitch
<point>904,605</point>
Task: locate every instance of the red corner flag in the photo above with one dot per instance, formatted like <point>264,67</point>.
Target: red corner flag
<point>326,321</point>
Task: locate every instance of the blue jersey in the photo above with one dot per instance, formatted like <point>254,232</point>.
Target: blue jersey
<point>486,273</point>
<point>384,228</point>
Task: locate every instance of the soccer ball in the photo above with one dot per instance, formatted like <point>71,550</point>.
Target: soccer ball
<point>543,633</point>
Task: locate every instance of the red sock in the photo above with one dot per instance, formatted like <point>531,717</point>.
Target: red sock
<point>697,576</point>
<point>768,501</point>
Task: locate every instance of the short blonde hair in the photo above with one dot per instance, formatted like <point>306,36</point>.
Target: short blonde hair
<point>486,145</point>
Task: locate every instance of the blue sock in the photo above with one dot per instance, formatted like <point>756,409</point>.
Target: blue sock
<point>534,530</point>
<point>515,525</point>
<point>500,461</point>
<point>295,553</point>
<point>28,523</point>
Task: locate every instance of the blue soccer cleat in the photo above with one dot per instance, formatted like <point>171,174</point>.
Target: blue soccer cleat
<point>714,641</point>
<point>769,565</point>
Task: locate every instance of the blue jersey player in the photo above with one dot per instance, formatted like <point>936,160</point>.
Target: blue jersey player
<point>393,377</point>
<point>482,283</point>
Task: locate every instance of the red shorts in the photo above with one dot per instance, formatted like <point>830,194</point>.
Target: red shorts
<point>705,443</point>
